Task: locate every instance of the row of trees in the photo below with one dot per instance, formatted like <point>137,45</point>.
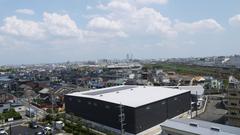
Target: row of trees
<point>9,114</point>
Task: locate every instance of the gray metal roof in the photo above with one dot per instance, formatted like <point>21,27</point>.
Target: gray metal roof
<point>202,128</point>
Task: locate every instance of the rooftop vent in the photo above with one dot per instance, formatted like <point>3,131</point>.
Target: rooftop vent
<point>215,129</point>
<point>131,89</point>
<point>193,124</point>
<point>117,92</point>
<point>101,95</point>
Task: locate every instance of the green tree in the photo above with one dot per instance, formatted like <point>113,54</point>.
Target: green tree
<point>1,118</point>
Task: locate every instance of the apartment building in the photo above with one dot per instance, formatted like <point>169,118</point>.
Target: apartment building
<point>233,98</point>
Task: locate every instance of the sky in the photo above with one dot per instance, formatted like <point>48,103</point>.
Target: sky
<point>49,31</point>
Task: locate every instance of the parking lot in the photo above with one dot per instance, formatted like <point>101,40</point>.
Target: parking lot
<point>24,130</point>
<point>215,112</point>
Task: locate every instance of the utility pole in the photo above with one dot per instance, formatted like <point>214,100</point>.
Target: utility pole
<point>122,119</point>
<point>10,129</point>
<point>196,104</point>
<point>36,115</point>
<point>29,104</point>
<point>52,98</point>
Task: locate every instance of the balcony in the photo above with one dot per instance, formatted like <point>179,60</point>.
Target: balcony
<point>233,106</point>
<point>232,97</point>
<point>233,116</point>
<point>233,89</point>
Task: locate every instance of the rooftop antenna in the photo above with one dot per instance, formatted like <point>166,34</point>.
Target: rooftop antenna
<point>122,118</point>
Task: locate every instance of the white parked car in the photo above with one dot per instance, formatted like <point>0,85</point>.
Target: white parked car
<point>3,132</point>
<point>47,130</point>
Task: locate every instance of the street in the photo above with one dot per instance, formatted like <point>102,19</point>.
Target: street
<point>40,112</point>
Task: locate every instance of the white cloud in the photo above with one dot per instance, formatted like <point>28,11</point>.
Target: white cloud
<point>118,5</point>
<point>25,11</point>
<point>145,21</point>
<point>152,1</point>
<point>103,23</point>
<point>53,24</point>
<point>198,26</point>
<point>60,25</point>
<point>14,26</point>
<point>56,28</point>
<point>153,21</point>
<point>106,28</point>
<point>235,20</point>
<point>138,21</point>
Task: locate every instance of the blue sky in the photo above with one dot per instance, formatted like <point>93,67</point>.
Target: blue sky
<point>41,31</point>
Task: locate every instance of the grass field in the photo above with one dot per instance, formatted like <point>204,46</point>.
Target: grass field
<point>217,72</point>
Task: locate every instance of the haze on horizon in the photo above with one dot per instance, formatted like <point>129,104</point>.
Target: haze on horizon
<point>41,31</point>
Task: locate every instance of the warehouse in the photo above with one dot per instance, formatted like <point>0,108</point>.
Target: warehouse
<point>143,106</point>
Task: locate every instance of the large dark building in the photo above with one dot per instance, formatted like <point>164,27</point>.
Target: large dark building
<point>143,106</point>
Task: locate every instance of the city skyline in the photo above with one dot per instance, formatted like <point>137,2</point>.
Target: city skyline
<point>46,32</point>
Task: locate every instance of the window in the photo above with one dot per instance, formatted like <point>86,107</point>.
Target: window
<point>233,104</point>
<point>233,94</point>
<point>79,101</point>
<point>193,124</point>
<point>175,98</point>
<point>70,99</point>
<point>215,129</point>
<point>89,103</point>
<point>95,104</point>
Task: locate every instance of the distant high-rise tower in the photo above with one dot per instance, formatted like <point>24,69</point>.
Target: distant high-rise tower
<point>127,57</point>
